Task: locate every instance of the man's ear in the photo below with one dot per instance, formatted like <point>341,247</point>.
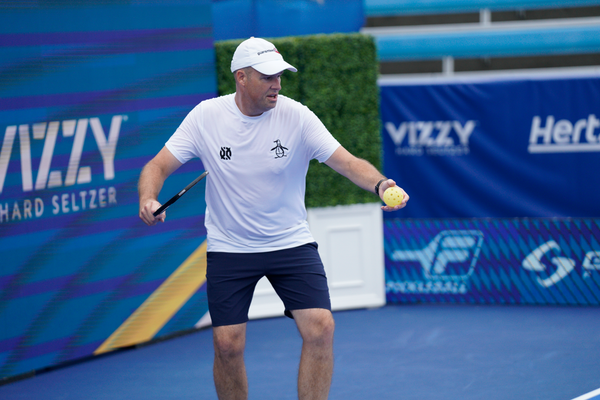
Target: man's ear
<point>240,77</point>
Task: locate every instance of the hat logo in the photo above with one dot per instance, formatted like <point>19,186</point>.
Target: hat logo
<point>268,51</point>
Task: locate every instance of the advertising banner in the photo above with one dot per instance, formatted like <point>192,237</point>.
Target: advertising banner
<point>502,174</point>
<point>505,147</point>
<point>493,261</point>
<point>89,93</point>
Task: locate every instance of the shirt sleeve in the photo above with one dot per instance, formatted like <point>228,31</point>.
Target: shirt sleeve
<point>318,138</point>
<point>184,144</point>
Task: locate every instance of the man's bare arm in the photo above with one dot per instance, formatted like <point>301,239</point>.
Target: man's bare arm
<point>363,174</point>
<point>151,182</point>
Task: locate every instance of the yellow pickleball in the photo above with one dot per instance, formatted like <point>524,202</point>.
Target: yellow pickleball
<point>393,196</point>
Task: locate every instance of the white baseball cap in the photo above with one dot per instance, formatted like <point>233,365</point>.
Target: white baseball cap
<point>260,55</point>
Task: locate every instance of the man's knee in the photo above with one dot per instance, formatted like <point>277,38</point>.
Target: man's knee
<point>316,326</point>
<point>229,341</point>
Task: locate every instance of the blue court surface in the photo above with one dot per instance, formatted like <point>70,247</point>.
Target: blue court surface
<point>394,352</point>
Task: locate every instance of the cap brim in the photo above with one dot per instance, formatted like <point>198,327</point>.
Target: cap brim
<point>273,67</point>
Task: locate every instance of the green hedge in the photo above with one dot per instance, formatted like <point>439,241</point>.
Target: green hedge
<point>337,80</point>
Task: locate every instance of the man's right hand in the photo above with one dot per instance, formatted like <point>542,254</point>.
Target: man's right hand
<point>151,181</point>
<point>147,210</point>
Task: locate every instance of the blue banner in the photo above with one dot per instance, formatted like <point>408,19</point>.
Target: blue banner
<point>493,261</point>
<point>494,147</point>
<point>89,93</point>
<point>240,19</point>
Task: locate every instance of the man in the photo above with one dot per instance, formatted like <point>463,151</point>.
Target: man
<point>257,145</point>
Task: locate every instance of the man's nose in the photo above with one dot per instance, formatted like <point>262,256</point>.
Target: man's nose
<point>277,84</point>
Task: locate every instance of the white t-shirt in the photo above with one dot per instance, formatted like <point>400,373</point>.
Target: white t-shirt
<point>257,171</point>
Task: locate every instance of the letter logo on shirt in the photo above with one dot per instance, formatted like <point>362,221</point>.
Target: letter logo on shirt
<point>225,153</point>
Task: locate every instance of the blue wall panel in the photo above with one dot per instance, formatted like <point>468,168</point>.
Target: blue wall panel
<point>501,171</point>
<point>89,92</point>
<point>240,19</point>
<point>493,261</point>
<point>495,147</point>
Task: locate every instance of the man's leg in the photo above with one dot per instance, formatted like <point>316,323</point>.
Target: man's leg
<point>229,370</point>
<point>316,327</point>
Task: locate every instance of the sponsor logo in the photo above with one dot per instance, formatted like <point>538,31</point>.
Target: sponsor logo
<point>447,263</point>
<point>225,153</point>
<point>436,138</point>
<point>559,267</point>
<point>273,50</point>
<point>54,173</point>
<point>279,149</point>
<point>564,136</point>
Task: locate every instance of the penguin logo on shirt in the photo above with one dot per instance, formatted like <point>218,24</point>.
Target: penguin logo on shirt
<point>279,149</point>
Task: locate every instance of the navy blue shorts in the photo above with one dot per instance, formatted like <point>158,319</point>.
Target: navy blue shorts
<point>297,275</point>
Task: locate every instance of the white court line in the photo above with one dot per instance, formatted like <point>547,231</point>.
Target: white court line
<point>588,395</point>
